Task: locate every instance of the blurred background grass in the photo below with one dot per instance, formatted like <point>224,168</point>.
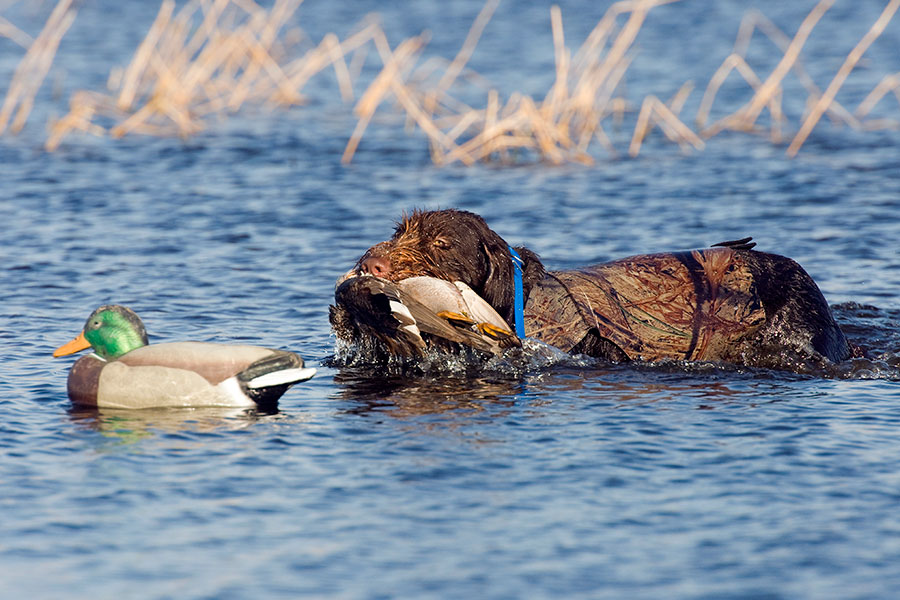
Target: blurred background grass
<point>204,60</point>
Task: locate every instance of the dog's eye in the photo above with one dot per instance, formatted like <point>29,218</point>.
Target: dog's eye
<point>441,243</point>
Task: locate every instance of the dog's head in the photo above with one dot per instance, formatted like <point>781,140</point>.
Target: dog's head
<point>453,245</point>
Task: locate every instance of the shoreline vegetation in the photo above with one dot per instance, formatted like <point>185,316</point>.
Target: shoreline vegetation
<point>212,57</point>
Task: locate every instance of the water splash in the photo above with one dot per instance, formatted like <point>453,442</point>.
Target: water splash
<point>515,362</point>
<point>871,330</point>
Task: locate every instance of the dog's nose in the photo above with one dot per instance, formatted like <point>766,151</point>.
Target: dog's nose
<point>379,266</point>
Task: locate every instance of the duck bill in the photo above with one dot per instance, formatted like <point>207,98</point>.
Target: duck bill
<point>76,345</point>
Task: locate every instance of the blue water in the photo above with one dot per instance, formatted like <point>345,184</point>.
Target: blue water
<point>566,480</point>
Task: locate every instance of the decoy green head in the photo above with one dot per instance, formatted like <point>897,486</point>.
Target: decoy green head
<point>111,331</point>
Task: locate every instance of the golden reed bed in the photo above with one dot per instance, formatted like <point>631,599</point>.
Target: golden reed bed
<point>212,57</point>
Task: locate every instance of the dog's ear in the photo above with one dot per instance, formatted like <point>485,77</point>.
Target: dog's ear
<point>534,268</point>
<point>497,288</point>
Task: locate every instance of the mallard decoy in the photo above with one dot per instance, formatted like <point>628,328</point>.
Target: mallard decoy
<point>125,372</point>
<point>399,313</point>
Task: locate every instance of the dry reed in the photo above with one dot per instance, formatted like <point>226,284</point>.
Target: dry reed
<point>890,83</point>
<point>33,68</point>
<point>8,30</point>
<point>212,57</point>
<point>559,128</point>
<point>828,97</point>
<point>769,93</point>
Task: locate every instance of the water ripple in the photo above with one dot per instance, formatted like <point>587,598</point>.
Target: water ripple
<point>537,475</point>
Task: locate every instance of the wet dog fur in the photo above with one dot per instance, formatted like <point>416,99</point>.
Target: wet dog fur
<point>457,245</point>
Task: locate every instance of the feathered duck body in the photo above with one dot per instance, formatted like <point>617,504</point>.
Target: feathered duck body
<point>728,303</point>
<point>415,314</point>
<point>125,372</point>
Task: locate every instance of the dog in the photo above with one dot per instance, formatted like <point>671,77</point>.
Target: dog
<point>728,303</point>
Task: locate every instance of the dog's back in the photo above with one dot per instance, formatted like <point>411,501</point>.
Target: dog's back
<point>716,304</point>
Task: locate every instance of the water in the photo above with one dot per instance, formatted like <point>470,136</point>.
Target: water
<point>569,479</point>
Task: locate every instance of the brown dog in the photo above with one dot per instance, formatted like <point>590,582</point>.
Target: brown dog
<point>727,303</point>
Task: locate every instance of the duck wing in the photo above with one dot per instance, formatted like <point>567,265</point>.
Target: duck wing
<point>187,374</point>
<point>400,313</point>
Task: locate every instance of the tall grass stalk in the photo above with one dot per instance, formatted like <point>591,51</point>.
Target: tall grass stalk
<point>210,58</point>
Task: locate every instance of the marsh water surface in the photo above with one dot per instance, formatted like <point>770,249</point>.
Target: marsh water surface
<point>562,479</point>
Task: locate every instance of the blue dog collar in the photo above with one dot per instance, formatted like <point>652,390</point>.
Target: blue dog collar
<point>519,299</point>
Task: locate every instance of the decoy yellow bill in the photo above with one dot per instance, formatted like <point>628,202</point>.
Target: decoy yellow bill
<point>76,345</point>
